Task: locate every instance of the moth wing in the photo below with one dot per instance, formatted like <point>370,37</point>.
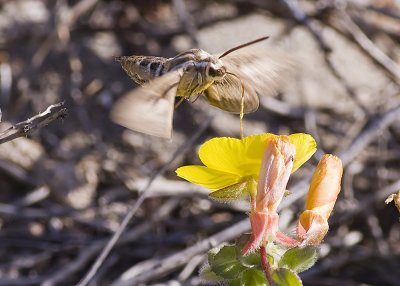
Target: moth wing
<point>264,69</point>
<point>226,94</point>
<point>149,109</point>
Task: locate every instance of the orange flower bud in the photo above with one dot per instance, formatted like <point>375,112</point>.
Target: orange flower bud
<point>325,185</point>
<point>275,170</point>
<point>312,227</point>
<point>321,198</point>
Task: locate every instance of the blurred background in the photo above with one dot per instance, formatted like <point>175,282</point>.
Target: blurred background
<point>65,188</point>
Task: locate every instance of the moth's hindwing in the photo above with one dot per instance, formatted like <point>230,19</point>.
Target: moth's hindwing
<point>264,70</point>
<point>258,70</point>
<point>227,94</point>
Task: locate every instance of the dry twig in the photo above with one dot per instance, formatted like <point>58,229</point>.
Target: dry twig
<point>36,122</point>
<point>345,24</point>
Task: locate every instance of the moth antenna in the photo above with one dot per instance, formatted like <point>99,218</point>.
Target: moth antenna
<point>242,46</point>
<point>241,105</point>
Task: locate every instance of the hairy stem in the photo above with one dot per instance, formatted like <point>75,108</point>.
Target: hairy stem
<point>265,264</point>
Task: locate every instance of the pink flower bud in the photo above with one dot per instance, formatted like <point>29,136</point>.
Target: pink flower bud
<point>275,170</point>
<point>324,189</point>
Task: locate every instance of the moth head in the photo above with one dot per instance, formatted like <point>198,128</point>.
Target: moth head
<point>216,70</point>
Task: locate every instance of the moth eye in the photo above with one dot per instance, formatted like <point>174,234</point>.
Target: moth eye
<point>217,72</point>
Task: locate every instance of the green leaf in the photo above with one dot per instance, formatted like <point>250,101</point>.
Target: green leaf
<point>207,274</point>
<point>253,259</point>
<point>234,282</point>
<point>276,250</point>
<point>299,259</point>
<point>285,277</point>
<point>233,192</point>
<point>226,264</point>
<point>253,277</point>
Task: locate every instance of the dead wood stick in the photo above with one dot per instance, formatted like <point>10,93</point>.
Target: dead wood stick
<point>393,13</point>
<point>373,128</point>
<point>300,16</point>
<point>282,108</point>
<point>62,29</point>
<point>346,25</point>
<point>365,205</point>
<point>85,256</point>
<point>36,122</point>
<point>156,267</point>
<point>186,21</point>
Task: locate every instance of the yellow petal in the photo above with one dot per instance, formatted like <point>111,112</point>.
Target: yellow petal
<point>241,157</point>
<point>255,146</point>
<point>305,148</point>
<point>207,177</point>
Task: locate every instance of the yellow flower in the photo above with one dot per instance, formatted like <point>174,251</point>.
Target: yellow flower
<point>324,189</point>
<point>232,165</point>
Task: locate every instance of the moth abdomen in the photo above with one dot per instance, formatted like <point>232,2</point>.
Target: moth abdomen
<point>142,69</point>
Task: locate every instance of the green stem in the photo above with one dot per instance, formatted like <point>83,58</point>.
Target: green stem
<point>265,264</point>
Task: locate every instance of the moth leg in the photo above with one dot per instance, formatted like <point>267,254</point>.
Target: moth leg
<point>197,97</point>
<point>179,102</point>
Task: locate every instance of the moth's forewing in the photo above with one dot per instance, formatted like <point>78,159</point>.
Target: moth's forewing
<point>227,94</point>
<point>149,109</point>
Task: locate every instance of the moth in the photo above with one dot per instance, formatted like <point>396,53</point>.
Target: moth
<point>230,81</point>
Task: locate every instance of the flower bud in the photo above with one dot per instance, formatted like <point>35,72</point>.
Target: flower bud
<point>275,170</point>
<point>324,189</point>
